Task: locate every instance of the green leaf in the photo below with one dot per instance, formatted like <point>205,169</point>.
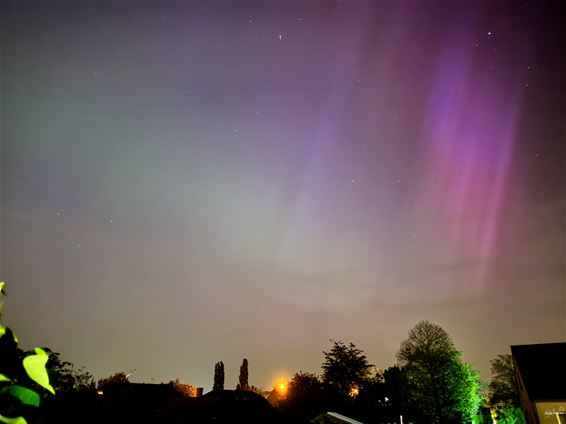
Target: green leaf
<point>25,395</point>
<point>35,367</point>
<point>4,378</point>
<point>2,291</point>
<point>3,331</point>
<point>17,420</point>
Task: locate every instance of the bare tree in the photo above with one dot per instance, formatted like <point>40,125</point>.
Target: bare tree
<point>427,342</point>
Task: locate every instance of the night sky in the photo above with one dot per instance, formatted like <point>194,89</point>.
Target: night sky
<point>184,183</point>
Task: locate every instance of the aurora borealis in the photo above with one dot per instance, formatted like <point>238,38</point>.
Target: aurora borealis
<point>187,182</point>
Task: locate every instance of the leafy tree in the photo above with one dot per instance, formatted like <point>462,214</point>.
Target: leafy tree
<point>187,390</point>
<point>511,415</point>
<point>218,376</point>
<point>466,386</point>
<point>119,377</point>
<point>503,394</point>
<point>345,368</point>
<point>306,397</point>
<point>304,385</point>
<point>502,387</point>
<point>243,384</point>
<point>65,377</point>
<point>396,402</point>
<point>441,388</point>
<point>371,401</point>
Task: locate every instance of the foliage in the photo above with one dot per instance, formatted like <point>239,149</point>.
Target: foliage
<point>345,368</point>
<point>24,380</point>
<point>303,385</point>
<point>306,397</point>
<point>511,415</point>
<point>371,403</point>
<point>187,390</point>
<point>243,379</point>
<point>2,293</point>
<point>65,377</point>
<point>34,364</point>
<point>465,382</point>
<point>440,387</point>
<point>395,382</point>
<point>503,394</point>
<point>119,377</point>
<point>503,387</point>
<point>218,376</point>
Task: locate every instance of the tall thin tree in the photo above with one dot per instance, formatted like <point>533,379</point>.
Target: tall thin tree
<point>243,384</point>
<point>218,376</point>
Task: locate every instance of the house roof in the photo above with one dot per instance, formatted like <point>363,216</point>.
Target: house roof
<point>239,406</point>
<point>542,369</point>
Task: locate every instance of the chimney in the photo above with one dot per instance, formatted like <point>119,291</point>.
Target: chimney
<point>199,391</point>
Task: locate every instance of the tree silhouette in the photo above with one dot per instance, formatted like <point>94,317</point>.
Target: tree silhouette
<point>218,376</point>
<point>503,394</point>
<point>441,388</point>
<point>243,384</point>
<point>345,368</point>
<point>64,377</point>
<point>306,397</point>
<point>119,377</point>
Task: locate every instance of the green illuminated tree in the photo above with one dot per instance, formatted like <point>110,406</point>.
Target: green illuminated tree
<point>218,376</point>
<point>511,415</point>
<point>243,380</point>
<point>441,387</point>
<point>345,368</point>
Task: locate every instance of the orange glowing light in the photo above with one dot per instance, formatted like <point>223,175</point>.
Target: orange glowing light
<point>281,386</point>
